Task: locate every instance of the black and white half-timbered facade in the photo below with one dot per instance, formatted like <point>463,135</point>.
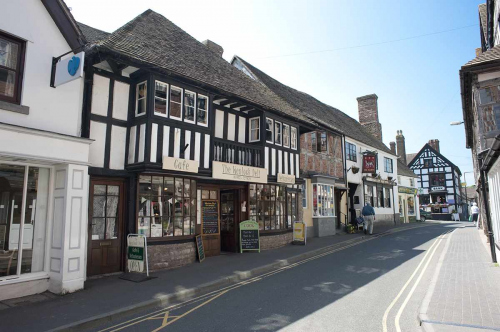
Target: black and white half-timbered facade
<point>184,145</point>
<point>438,182</point>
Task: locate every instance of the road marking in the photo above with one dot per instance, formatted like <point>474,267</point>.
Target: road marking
<point>400,311</point>
<point>389,308</point>
<point>161,312</point>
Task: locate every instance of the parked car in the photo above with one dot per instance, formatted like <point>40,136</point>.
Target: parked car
<point>424,215</point>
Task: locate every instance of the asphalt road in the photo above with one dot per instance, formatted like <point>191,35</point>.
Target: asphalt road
<point>348,290</point>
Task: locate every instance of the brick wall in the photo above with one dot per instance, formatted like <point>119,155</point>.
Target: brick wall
<point>275,241</point>
<point>329,163</point>
<point>368,115</point>
<point>169,256</point>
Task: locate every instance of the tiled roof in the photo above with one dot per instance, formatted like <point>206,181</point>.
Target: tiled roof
<point>153,40</point>
<point>483,13</point>
<point>92,35</point>
<point>490,55</point>
<point>404,170</point>
<point>409,157</point>
<point>318,111</point>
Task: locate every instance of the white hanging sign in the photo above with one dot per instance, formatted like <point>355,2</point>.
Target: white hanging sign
<point>69,69</point>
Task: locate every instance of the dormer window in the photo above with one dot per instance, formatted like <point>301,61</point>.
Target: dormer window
<point>141,98</point>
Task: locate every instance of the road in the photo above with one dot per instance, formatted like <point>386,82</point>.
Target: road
<point>375,285</point>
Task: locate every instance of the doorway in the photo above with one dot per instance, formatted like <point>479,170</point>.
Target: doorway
<point>229,219</point>
<point>105,227</point>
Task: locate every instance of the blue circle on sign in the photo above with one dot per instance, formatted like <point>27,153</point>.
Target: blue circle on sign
<point>73,65</point>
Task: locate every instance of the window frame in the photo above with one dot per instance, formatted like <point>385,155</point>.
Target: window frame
<point>293,140</point>
<point>388,162</point>
<point>286,145</point>
<point>439,175</point>
<point>200,96</point>
<point>257,207</point>
<point>166,99</point>
<point>184,106</point>
<point>351,152</point>
<point>272,130</point>
<point>137,98</point>
<point>318,208</point>
<point>253,129</point>
<point>277,134</point>
<point>173,87</point>
<point>19,71</point>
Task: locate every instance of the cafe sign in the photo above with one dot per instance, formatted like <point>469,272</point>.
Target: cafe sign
<point>181,165</point>
<point>369,163</point>
<point>406,190</point>
<point>286,178</point>
<point>227,171</point>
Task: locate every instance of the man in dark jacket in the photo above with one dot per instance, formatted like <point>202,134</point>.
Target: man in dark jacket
<point>369,216</point>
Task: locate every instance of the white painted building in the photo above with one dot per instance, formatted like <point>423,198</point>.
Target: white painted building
<point>43,162</point>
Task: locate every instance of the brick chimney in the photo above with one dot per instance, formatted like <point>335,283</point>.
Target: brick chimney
<point>216,48</point>
<point>368,115</point>
<point>400,141</point>
<point>435,144</point>
<point>393,146</point>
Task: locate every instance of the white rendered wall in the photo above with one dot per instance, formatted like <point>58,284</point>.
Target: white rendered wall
<point>59,109</point>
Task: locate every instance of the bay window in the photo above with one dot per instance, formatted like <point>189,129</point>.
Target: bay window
<point>269,130</point>
<point>323,200</point>
<point>167,206</point>
<point>267,206</point>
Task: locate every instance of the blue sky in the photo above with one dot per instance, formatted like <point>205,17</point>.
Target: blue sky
<point>416,79</point>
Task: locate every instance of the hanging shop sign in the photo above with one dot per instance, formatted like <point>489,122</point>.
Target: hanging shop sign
<point>439,188</point>
<point>249,236</point>
<point>369,163</point>
<point>137,253</point>
<point>210,216</point>
<point>181,165</point>
<point>69,69</point>
<point>299,232</point>
<point>286,178</point>
<point>199,248</point>
<point>406,190</point>
<point>227,171</point>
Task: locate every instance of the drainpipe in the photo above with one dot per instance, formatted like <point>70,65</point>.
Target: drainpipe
<point>487,207</point>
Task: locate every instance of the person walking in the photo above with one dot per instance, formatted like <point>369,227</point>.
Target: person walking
<point>369,216</point>
<point>475,214</point>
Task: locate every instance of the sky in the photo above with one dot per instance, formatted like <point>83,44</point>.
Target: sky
<point>407,52</point>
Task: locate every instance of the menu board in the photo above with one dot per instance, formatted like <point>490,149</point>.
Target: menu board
<point>210,216</point>
<point>199,247</point>
<point>249,236</point>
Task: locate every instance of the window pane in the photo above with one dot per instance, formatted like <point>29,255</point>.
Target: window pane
<point>98,226</point>
<point>114,190</point>
<point>168,227</point>
<point>98,206</point>
<point>111,228</point>
<point>202,102</point>
<point>213,194</point>
<point>8,54</point>
<point>175,102</point>
<point>178,227</point>
<point>156,227</point>
<point>269,130</point>
<point>202,117</point>
<point>112,206</point>
<point>205,194</point>
<point>168,184</point>
<point>293,131</point>
<point>144,226</point>
<point>189,101</point>
<point>7,82</point>
<point>175,110</point>
<point>178,187</point>
<point>145,184</point>
<point>160,106</point>
<point>277,133</point>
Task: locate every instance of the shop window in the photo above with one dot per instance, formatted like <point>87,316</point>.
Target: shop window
<point>161,90</point>
<point>286,135</point>
<point>323,200</point>
<point>254,129</point>
<point>411,206</point>
<point>277,132</point>
<point>437,180</point>
<point>388,165</point>
<point>350,152</point>
<point>387,198</point>
<point>202,115</point>
<point>11,68</point>
<point>141,98</point>
<point>267,206</point>
<point>269,130</point>
<point>369,195</point>
<point>189,106</point>
<point>167,206</point>
<point>32,192</point>
<point>380,197</point>
<point>293,135</point>
<point>175,103</point>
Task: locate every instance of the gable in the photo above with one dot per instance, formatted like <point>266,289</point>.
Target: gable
<point>427,153</point>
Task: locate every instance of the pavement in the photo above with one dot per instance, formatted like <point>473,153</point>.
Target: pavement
<point>464,294</point>
<point>109,299</point>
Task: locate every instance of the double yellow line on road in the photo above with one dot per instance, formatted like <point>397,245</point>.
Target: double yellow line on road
<point>430,251</point>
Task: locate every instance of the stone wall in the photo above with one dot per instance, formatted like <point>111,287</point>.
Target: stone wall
<point>275,241</point>
<point>169,256</point>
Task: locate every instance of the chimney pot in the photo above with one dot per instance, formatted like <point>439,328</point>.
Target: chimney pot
<point>400,141</point>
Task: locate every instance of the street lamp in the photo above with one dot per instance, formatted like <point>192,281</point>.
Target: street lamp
<point>456,123</point>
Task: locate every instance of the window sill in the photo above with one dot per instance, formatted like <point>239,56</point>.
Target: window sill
<point>4,105</point>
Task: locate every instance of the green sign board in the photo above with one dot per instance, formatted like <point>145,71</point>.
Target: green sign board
<point>136,253</point>
<point>249,236</point>
<point>407,190</point>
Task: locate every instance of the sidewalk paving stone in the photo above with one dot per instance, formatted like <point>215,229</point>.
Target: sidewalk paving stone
<point>108,294</point>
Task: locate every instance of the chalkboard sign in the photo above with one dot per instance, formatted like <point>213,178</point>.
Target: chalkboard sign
<point>249,236</point>
<point>210,216</point>
<point>199,247</point>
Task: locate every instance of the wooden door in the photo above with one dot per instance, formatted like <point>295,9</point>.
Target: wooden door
<point>209,212</point>
<point>105,227</point>
<point>229,219</point>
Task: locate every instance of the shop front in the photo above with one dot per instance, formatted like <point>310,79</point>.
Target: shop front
<point>407,204</point>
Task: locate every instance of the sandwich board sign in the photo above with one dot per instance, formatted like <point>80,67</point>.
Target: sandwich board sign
<point>137,253</point>
<point>249,236</point>
<point>299,232</point>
